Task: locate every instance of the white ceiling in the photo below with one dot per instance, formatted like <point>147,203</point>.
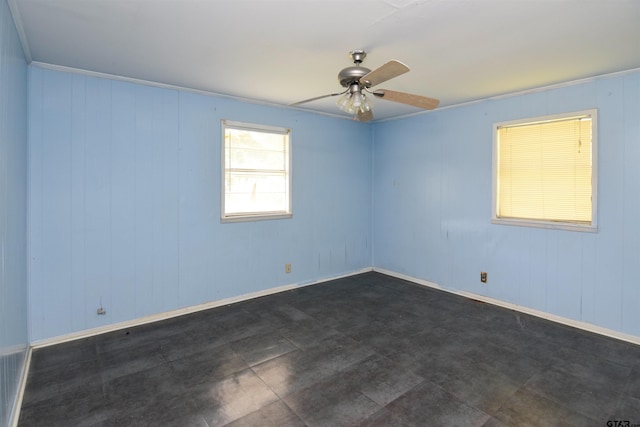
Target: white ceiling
<point>283,51</point>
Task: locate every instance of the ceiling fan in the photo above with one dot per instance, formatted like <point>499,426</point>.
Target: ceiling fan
<point>358,81</point>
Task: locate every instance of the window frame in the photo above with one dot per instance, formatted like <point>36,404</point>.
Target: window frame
<point>262,215</point>
<point>558,225</point>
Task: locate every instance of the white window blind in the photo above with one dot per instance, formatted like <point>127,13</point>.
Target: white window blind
<point>545,170</point>
<point>256,177</point>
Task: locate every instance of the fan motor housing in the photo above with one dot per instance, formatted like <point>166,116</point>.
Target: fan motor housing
<point>350,75</point>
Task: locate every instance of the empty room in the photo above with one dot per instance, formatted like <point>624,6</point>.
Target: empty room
<point>319,213</point>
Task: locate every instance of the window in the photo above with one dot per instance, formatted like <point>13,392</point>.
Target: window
<point>545,171</point>
<point>256,172</point>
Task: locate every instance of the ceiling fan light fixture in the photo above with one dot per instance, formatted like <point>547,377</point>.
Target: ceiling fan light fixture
<point>352,102</point>
<point>367,104</point>
<point>357,99</point>
<point>342,101</point>
<point>351,108</point>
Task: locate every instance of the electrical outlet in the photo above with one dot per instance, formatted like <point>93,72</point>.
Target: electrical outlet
<point>287,268</point>
<point>483,277</point>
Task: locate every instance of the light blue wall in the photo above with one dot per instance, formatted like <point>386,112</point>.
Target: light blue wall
<point>125,202</point>
<point>13,212</point>
<point>432,208</point>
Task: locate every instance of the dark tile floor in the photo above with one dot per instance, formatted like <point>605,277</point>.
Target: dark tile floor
<point>365,350</point>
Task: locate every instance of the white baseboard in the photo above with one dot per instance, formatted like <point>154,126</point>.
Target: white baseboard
<point>522,309</point>
<point>182,311</point>
<point>17,403</point>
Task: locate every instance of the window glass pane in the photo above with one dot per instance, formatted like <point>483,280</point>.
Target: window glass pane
<point>256,140</point>
<point>243,182</point>
<point>256,159</point>
<point>255,150</point>
<point>255,202</point>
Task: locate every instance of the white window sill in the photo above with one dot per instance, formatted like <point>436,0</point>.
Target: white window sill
<point>567,226</point>
<point>256,217</point>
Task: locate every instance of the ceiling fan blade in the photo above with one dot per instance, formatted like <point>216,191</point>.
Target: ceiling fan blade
<point>365,117</point>
<point>407,98</point>
<point>316,98</point>
<point>383,73</point>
